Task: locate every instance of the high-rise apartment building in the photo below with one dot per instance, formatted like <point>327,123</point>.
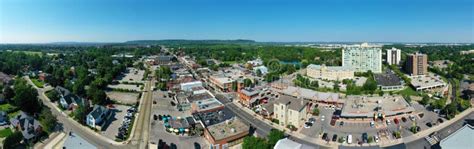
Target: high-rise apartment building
<point>362,58</point>
<point>417,64</point>
<point>393,56</point>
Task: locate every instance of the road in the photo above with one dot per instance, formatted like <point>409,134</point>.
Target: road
<point>68,124</point>
<point>141,133</point>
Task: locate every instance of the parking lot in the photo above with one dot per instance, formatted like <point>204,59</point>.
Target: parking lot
<point>163,107</point>
<point>132,75</point>
<point>115,122</point>
<point>123,97</point>
<point>131,87</point>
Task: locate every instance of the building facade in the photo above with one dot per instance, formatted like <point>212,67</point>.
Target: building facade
<point>417,64</point>
<point>362,58</point>
<point>290,111</point>
<point>393,56</point>
<point>329,72</point>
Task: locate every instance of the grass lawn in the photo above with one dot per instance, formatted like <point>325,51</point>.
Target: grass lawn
<point>5,132</point>
<point>38,83</point>
<point>408,91</point>
<point>6,106</point>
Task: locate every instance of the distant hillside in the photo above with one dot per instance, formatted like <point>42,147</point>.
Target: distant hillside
<point>182,41</point>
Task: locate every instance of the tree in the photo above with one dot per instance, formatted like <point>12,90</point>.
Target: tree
<point>26,97</point>
<point>370,85</point>
<point>47,120</point>
<point>53,95</point>
<point>274,136</point>
<point>439,104</point>
<point>425,100</point>
<point>316,111</point>
<point>13,140</point>
<point>80,114</point>
<point>252,142</point>
<point>96,95</point>
<point>8,92</point>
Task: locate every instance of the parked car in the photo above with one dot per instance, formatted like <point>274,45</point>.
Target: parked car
<point>341,123</point>
<point>376,138</point>
<point>349,139</point>
<point>395,120</point>
<point>372,124</point>
<point>388,122</point>
<point>412,117</point>
<point>404,119</point>
<point>429,124</point>
<point>325,136</point>
<point>365,137</point>
<point>334,138</point>
<point>440,120</point>
<point>307,125</point>
<point>312,120</point>
<point>333,122</point>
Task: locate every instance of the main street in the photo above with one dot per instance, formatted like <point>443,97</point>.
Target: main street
<point>141,133</point>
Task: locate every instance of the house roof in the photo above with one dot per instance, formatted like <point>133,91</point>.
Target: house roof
<point>98,111</point>
<point>28,125</point>
<point>293,103</point>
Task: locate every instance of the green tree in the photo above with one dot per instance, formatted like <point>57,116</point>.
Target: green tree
<point>47,120</point>
<point>80,114</point>
<point>247,82</point>
<point>439,104</point>
<point>316,111</point>
<point>425,100</point>
<point>13,140</point>
<point>53,95</point>
<point>274,136</point>
<point>252,142</point>
<point>26,97</point>
<point>8,92</point>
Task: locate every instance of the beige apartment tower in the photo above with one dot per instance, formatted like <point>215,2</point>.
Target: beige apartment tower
<point>417,64</point>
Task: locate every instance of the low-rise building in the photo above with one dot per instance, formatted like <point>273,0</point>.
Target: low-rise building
<point>389,81</point>
<point>263,70</point>
<point>329,72</point>
<point>249,96</point>
<point>290,111</point>
<point>307,94</point>
<point>68,100</point>
<point>428,82</point>
<point>30,128</point>
<point>460,139</point>
<point>290,144</point>
<point>227,133</point>
<point>375,107</point>
<point>98,115</point>
<point>221,83</point>
<point>189,85</point>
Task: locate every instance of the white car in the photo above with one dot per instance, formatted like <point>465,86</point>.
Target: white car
<point>349,139</point>
<point>372,124</point>
<point>388,122</point>
<point>376,138</point>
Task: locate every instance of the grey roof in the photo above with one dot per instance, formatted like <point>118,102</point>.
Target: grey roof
<point>201,96</point>
<point>461,138</point>
<point>62,90</point>
<point>269,107</point>
<point>74,141</point>
<point>98,111</point>
<point>250,91</point>
<point>388,79</point>
<point>5,78</point>
<point>27,124</point>
<point>294,103</point>
<point>290,144</point>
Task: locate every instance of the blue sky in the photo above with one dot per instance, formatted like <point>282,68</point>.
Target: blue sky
<point>39,21</point>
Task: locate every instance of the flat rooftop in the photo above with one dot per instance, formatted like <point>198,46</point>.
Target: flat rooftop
<point>362,106</point>
<point>203,105</point>
<point>228,129</point>
<point>429,81</point>
<point>307,93</point>
<point>388,79</point>
<point>199,97</point>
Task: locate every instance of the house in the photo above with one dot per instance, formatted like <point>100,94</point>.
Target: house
<point>97,116</point>
<point>29,127</point>
<point>290,111</point>
<point>3,118</point>
<point>68,100</point>
<point>5,79</point>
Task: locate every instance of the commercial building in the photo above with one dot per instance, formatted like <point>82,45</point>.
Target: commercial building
<point>221,83</point>
<point>290,144</point>
<point>417,64</point>
<point>460,139</point>
<point>290,111</point>
<point>227,133</point>
<point>362,58</point>
<point>249,96</point>
<point>393,56</point>
<point>188,86</point>
<point>389,81</point>
<point>427,82</point>
<point>375,107</point>
<point>329,72</point>
<point>307,94</point>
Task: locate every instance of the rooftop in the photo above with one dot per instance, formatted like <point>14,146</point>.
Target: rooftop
<point>462,138</point>
<point>333,68</point>
<point>361,106</point>
<point>199,97</point>
<point>307,93</point>
<point>228,128</point>
<point>207,104</point>
<point>427,81</point>
<point>293,103</point>
<point>250,91</point>
<point>388,79</point>
<point>74,141</point>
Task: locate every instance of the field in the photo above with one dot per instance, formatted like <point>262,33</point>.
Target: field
<point>38,83</point>
<point>5,132</point>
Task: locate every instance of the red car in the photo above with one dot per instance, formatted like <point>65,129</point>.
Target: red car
<point>395,120</point>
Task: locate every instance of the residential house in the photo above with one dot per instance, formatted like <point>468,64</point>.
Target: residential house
<point>29,127</point>
<point>290,111</point>
<point>97,116</point>
<point>68,100</point>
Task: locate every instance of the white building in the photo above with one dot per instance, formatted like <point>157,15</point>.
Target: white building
<point>256,62</point>
<point>189,85</point>
<point>329,72</point>
<point>263,69</point>
<point>393,56</point>
<point>362,58</point>
<point>290,111</point>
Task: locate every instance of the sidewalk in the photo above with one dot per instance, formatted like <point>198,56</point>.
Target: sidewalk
<point>52,141</point>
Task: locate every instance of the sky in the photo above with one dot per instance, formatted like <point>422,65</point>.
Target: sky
<point>43,21</point>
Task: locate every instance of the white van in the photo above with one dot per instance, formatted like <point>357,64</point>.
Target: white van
<point>349,139</point>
